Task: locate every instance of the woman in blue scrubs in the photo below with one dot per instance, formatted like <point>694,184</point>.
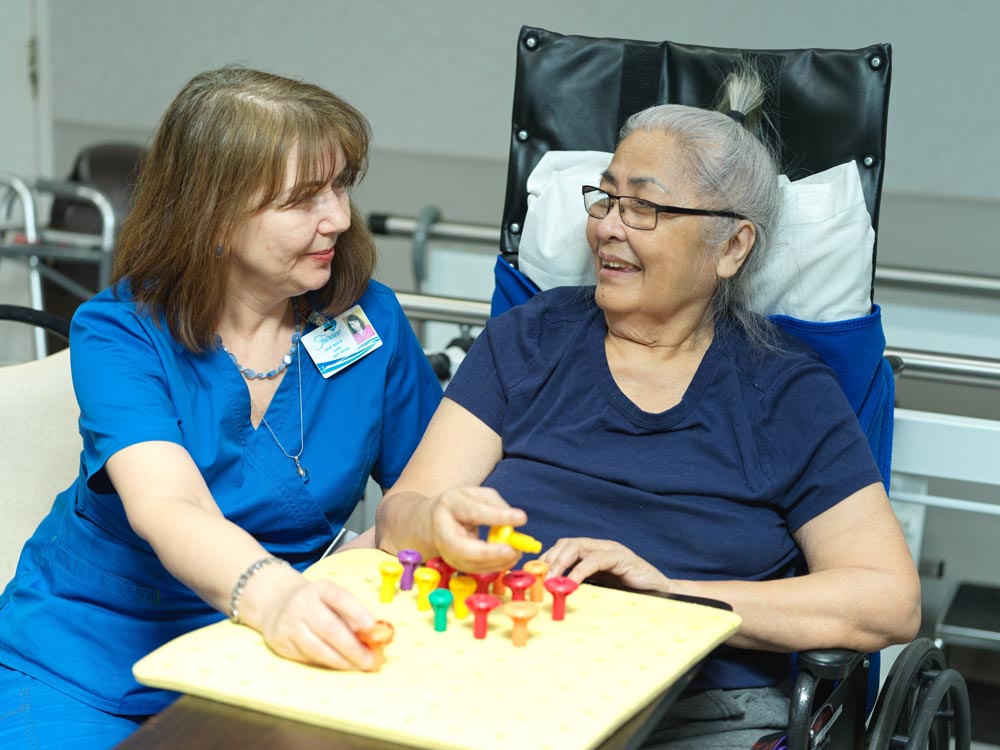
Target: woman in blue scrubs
<point>218,461</point>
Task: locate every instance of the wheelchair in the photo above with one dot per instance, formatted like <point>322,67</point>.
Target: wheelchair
<point>825,108</point>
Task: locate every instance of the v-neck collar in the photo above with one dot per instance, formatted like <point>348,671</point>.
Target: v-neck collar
<point>639,417</point>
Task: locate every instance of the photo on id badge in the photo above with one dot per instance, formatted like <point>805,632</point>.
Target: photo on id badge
<point>341,341</point>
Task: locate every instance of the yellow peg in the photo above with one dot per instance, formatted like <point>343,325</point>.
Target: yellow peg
<point>517,540</point>
<point>426,580</point>
<point>462,587</point>
<point>537,568</point>
<point>391,571</point>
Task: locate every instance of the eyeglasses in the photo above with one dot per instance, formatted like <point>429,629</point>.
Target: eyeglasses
<point>636,212</point>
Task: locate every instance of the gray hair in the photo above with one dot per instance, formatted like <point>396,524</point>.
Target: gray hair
<point>730,169</point>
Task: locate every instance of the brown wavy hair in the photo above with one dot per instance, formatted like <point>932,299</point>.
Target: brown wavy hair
<point>219,155</point>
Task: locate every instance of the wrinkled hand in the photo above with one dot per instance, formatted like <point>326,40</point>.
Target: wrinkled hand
<point>315,622</point>
<point>455,520</point>
<point>584,557</point>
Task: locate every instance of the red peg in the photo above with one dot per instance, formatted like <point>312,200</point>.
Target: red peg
<point>560,587</point>
<point>483,581</point>
<point>481,606</point>
<point>436,563</point>
<point>518,581</point>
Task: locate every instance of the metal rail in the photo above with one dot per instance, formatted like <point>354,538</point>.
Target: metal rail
<point>938,281</point>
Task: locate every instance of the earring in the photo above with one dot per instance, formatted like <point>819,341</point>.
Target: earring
<point>218,251</point>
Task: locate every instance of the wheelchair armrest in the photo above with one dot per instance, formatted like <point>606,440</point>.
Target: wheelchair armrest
<point>830,663</point>
<point>827,704</point>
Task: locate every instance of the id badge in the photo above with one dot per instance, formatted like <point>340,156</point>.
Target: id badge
<point>341,341</point>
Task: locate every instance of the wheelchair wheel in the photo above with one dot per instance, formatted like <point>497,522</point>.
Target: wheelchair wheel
<point>922,704</point>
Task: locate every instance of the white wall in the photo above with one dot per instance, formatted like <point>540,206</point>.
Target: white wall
<point>436,77</point>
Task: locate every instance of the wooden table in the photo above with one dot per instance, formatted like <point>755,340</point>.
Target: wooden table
<point>199,724</point>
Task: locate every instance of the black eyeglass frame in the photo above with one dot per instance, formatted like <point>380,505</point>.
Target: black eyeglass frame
<point>656,206</point>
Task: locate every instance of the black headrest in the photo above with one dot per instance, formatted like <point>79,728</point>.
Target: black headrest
<point>575,93</point>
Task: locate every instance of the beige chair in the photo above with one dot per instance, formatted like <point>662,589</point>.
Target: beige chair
<point>39,448</point>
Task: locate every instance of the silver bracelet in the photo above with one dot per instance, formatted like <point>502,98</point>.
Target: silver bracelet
<point>234,598</point>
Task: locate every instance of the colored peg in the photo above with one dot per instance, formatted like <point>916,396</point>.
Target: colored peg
<point>440,600</point>
<point>560,587</point>
<point>498,588</point>
<point>483,581</point>
<point>537,568</point>
<point>426,580</point>
<point>376,638</point>
<point>517,540</point>
<point>410,559</point>
<point>520,612</point>
<point>443,568</point>
<point>391,571</point>
<point>481,606</point>
<point>462,587</point>
<point>519,581</point>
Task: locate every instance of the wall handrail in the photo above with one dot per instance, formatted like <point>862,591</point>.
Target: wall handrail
<point>938,366</point>
<point>938,280</point>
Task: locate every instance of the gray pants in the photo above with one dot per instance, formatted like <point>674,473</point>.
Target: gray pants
<point>721,720</point>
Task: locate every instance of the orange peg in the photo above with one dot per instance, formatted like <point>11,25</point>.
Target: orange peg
<point>376,638</point>
<point>462,587</point>
<point>520,612</point>
<point>537,568</point>
<point>391,571</point>
<point>426,580</point>
<point>517,540</point>
<point>498,588</point>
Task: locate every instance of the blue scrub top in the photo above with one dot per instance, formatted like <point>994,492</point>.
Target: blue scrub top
<point>90,597</point>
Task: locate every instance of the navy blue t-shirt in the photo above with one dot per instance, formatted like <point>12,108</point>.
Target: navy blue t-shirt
<point>711,489</point>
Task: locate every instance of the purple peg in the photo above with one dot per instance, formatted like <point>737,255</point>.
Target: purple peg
<point>410,559</point>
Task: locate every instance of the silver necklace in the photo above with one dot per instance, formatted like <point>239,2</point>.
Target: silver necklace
<point>299,468</point>
<point>286,360</point>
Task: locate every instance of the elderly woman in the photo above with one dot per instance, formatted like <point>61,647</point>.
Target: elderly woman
<point>218,461</point>
<point>653,430</point>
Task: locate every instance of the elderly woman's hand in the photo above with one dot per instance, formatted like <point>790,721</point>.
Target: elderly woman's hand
<point>456,517</point>
<point>315,622</point>
<point>583,558</point>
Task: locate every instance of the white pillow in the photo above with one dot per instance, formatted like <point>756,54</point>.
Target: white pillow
<point>819,261</point>
<point>553,250</point>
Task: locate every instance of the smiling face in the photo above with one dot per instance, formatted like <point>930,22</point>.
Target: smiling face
<point>282,249</point>
<point>655,276</point>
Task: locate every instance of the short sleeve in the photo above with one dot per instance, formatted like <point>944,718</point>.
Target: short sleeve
<point>511,347</point>
<point>814,449</point>
<point>476,385</point>
<point>412,394</point>
<point>120,384</point>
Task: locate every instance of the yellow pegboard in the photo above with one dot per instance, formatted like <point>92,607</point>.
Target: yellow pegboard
<point>571,686</point>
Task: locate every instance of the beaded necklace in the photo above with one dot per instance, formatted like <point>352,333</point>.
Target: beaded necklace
<point>250,374</point>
